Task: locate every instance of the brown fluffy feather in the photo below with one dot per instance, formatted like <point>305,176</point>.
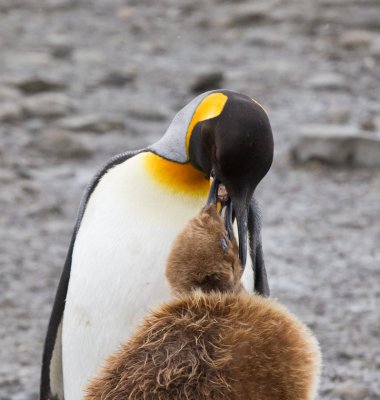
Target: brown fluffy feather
<point>203,257</point>
<point>209,345</point>
<point>213,347</point>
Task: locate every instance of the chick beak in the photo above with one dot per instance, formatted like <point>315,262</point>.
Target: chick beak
<point>235,207</point>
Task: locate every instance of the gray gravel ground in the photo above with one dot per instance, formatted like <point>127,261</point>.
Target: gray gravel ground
<point>81,81</point>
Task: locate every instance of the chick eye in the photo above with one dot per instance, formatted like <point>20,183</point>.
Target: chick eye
<point>224,244</point>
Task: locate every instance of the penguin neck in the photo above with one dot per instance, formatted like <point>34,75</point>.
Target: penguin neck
<point>179,178</point>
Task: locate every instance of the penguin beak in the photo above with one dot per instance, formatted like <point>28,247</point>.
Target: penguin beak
<point>241,212</point>
<point>235,206</point>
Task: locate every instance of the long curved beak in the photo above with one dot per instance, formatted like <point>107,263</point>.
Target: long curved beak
<point>237,206</point>
<point>213,193</point>
<point>241,213</point>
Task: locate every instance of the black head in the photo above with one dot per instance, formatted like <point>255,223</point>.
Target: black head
<point>236,147</point>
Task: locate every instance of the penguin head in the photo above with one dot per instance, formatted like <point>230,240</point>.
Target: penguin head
<point>228,137</point>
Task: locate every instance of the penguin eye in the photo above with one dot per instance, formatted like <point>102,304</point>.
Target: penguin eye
<point>224,244</point>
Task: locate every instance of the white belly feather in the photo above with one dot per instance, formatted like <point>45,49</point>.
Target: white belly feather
<point>118,266</point>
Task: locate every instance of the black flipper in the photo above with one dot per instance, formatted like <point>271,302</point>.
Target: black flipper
<point>49,387</point>
<point>261,285</point>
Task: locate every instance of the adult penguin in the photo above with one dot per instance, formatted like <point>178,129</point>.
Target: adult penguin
<point>128,218</point>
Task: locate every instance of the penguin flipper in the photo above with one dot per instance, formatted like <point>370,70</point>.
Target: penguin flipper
<point>51,373</point>
<point>261,285</point>
<point>51,386</point>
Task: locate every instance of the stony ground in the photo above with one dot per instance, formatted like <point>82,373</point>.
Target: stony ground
<point>79,83</point>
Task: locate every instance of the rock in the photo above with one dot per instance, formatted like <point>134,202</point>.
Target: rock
<point>337,145</point>
<point>350,390</point>
<point>207,81</point>
<point>60,46</point>
<point>36,84</point>
<point>375,47</point>
<point>125,13</point>
<point>244,15</point>
<point>33,124</point>
<point>352,40</point>
<point>337,115</point>
<point>148,113</point>
<point>10,112</point>
<point>38,210</point>
<point>372,123</point>
<point>9,93</point>
<point>89,56</point>
<point>62,144</point>
<point>92,123</point>
<point>27,60</point>
<point>7,175</point>
<point>265,39</point>
<point>48,105</point>
<point>376,123</point>
<point>120,77</point>
<point>328,81</point>
<point>60,4</point>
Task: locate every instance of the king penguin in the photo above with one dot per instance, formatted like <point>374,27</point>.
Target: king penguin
<point>128,218</point>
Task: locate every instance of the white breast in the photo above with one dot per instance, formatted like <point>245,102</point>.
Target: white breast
<point>118,266</point>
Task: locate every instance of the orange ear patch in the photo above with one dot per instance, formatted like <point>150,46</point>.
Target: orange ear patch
<point>182,178</point>
<point>210,107</point>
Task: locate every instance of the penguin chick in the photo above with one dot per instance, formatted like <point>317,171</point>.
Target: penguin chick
<point>203,257</point>
<point>214,346</point>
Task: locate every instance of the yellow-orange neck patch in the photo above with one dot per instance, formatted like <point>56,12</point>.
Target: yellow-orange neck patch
<point>210,107</point>
<point>180,178</point>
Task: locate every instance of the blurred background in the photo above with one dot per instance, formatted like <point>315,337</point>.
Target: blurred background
<point>83,80</point>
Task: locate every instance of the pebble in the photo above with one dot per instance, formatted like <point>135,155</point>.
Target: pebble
<point>328,81</point>
<point>42,210</point>
<point>10,112</point>
<point>148,113</point>
<point>372,123</point>
<point>24,396</point>
<point>88,56</point>
<point>60,46</point>
<point>33,124</point>
<point>63,144</point>
<point>337,145</point>
<point>60,4</point>
<point>245,15</point>
<point>207,81</point>
<point>354,39</point>
<point>125,13</point>
<point>92,123</point>
<point>375,47</point>
<point>48,105</point>
<point>360,18</point>
<point>37,84</point>
<point>337,115</point>
<point>6,175</point>
<point>265,39</point>
<point>27,60</point>
<point>9,93</point>
<point>119,77</point>
<point>350,390</point>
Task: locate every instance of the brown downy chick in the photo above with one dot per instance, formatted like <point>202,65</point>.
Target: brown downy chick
<point>203,257</point>
<point>216,346</point>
